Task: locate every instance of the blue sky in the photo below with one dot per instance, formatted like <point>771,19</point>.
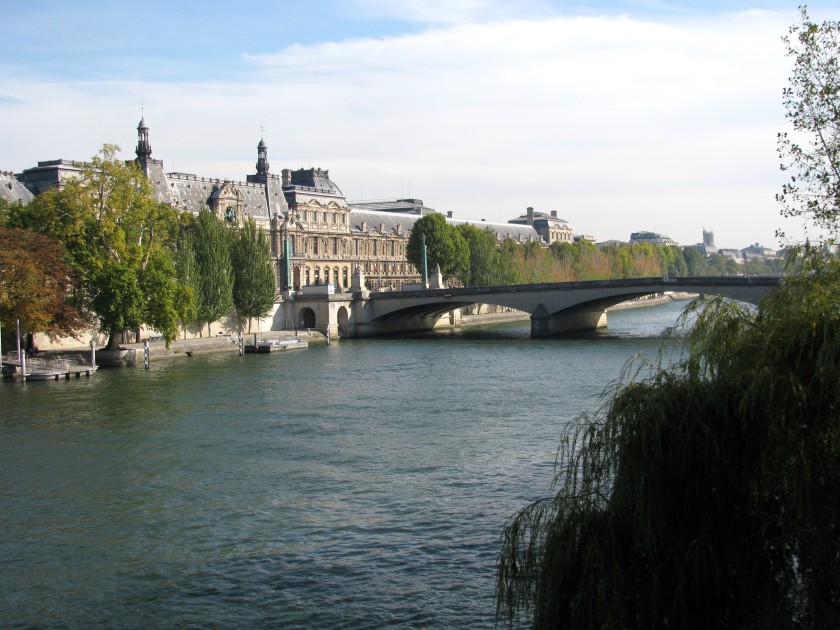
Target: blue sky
<point>622,115</point>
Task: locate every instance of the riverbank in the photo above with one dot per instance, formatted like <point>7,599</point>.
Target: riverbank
<point>185,348</point>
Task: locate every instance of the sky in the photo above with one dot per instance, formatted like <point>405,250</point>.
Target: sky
<point>621,115</point>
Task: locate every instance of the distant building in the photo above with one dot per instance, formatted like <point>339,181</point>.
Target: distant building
<point>734,254</point>
<point>550,227</point>
<point>757,252</point>
<point>13,190</point>
<point>651,238</point>
<point>707,247</point>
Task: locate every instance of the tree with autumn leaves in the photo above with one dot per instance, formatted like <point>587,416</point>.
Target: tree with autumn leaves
<point>37,287</point>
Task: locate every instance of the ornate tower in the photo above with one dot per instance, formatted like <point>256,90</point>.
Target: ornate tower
<point>144,148</point>
<point>262,158</point>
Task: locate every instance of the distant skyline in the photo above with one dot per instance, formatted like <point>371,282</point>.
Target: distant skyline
<point>622,116</point>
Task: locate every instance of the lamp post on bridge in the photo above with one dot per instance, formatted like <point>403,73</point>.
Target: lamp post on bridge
<point>425,265</point>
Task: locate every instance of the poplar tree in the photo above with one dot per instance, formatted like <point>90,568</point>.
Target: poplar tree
<point>254,285</point>
<point>187,273</point>
<point>213,269</point>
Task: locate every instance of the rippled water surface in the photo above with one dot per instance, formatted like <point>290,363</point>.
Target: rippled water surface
<point>360,485</point>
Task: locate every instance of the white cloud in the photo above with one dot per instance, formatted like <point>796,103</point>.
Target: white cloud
<point>618,124</point>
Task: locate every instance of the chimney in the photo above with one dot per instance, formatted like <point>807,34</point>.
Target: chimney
<point>554,213</point>
<point>449,214</point>
<point>530,215</point>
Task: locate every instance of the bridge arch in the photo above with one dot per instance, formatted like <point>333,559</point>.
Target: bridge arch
<point>306,317</point>
<point>554,307</point>
<point>343,318</point>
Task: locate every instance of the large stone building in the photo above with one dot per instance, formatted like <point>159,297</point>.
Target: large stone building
<point>306,213</point>
<point>550,227</point>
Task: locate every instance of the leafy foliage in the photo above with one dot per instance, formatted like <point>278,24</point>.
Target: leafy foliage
<point>187,274</point>
<point>213,268</point>
<point>254,286</point>
<point>36,286</point>
<point>811,101</point>
<point>706,493</point>
<point>446,248</point>
<point>487,264</point>
<point>118,240</point>
<point>701,494</point>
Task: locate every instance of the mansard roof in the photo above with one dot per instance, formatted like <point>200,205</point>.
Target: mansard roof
<point>371,221</point>
<point>363,222</point>
<point>192,193</point>
<point>314,179</point>
<point>13,190</point>
<point>515,231</point>
<point>538,216</point>
<point>404,206</point>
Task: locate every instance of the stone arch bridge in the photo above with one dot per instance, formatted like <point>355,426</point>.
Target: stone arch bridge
<point>555,308</point>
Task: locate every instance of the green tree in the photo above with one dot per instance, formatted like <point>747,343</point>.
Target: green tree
<point>811,103</point>
<point>672,262</point>
<point>695,263</point>
<point>487,265</point>
<point>112,230</point>
<point>214,298</point>
<point>445,246</point>
<point>254,285</point>
<point>187,273</point>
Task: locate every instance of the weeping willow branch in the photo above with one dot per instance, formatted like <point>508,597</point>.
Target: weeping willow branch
<point>704,492</point>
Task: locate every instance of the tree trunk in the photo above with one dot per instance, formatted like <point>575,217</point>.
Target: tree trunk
<point>113,340</point>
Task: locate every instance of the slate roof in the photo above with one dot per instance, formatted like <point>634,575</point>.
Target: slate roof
<point>12,190</point>
<point>404,206</point>
<point>538,216</point>
<point>517,232</point>
<point>392,220</point>
<point>193,193</point>
<point>315,179</point>
<point>375,220</point>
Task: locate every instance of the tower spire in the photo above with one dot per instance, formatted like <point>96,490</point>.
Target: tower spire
<point>144,147</point>
<point>262,156</point>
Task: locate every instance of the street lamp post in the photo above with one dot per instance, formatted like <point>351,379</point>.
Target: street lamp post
<point>425,265</point>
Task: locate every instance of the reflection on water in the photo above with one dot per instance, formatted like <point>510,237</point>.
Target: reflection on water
<point>360,485</point>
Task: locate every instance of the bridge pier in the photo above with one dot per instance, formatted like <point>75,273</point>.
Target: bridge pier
<point>545,325</point>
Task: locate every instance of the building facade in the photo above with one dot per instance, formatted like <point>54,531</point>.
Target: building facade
<point>317,237</point>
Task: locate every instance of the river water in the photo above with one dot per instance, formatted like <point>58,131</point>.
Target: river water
<point>360,485</point>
